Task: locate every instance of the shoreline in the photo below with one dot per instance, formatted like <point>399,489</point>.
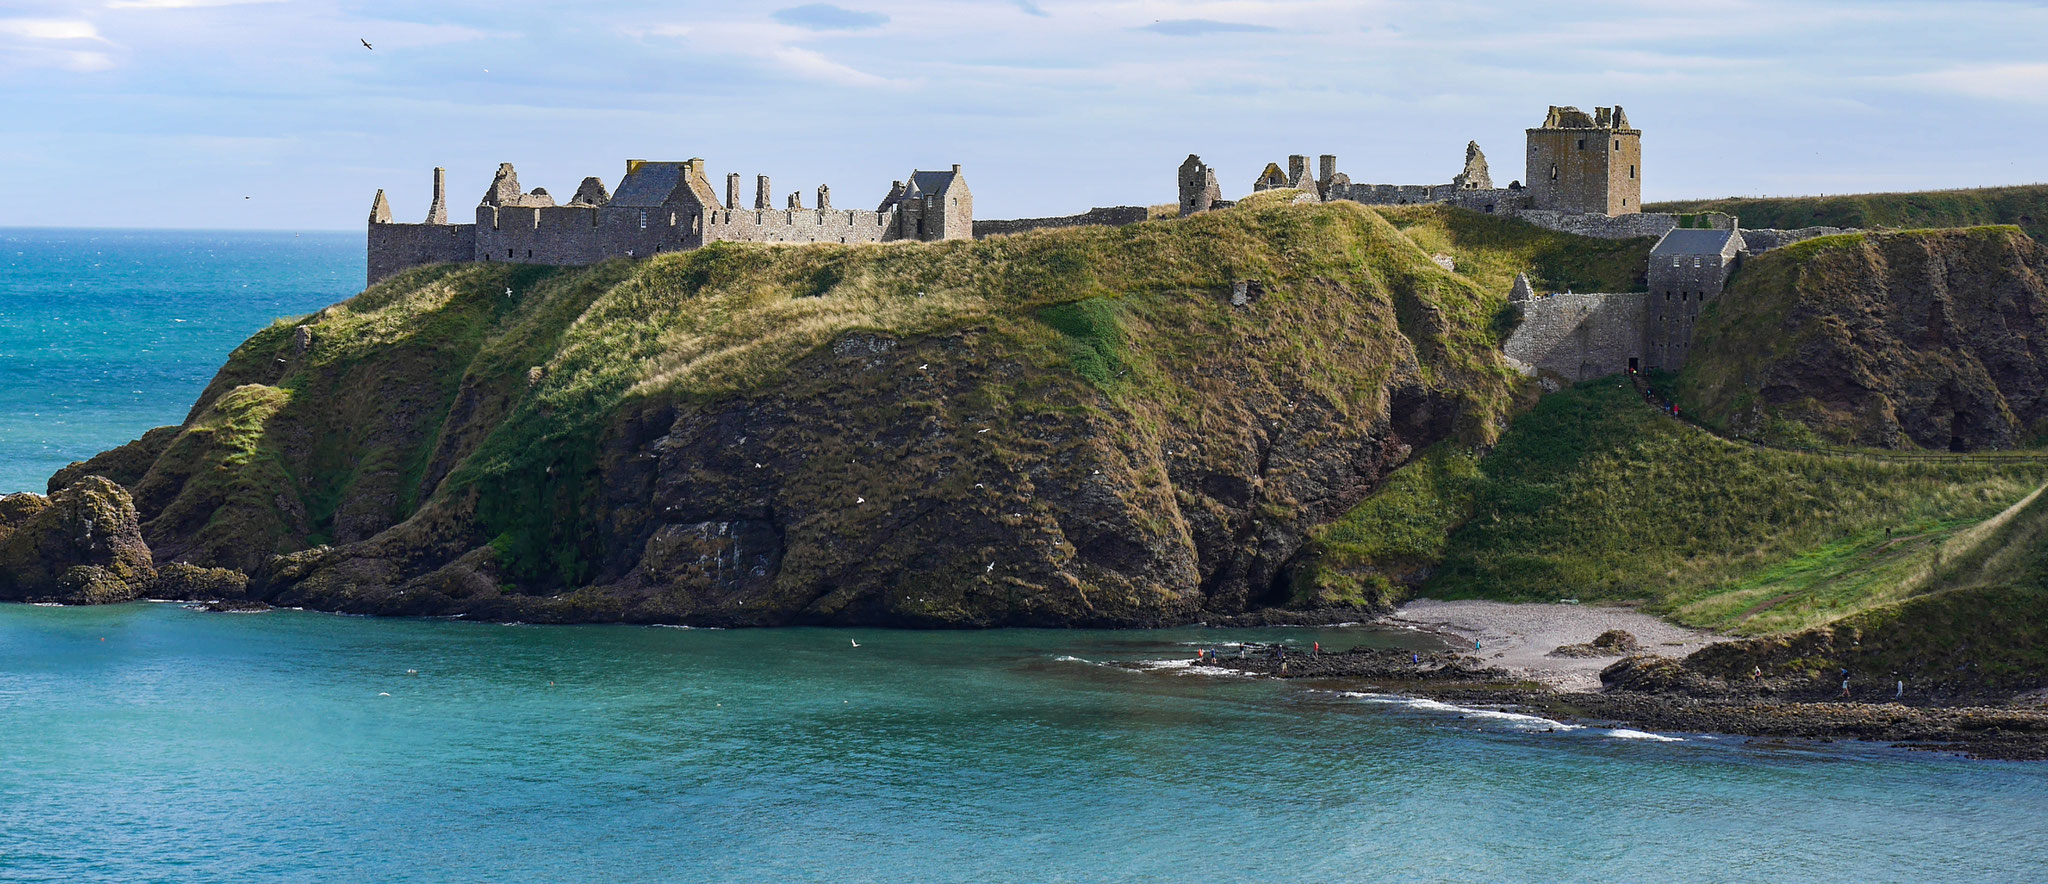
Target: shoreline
<point>1522,638</point>
<point>1514,669</point>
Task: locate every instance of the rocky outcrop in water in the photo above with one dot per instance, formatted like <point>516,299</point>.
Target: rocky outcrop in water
<point>81,545</point>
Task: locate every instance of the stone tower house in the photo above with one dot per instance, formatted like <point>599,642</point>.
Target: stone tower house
<point>1590,164</point>
<point>1687,269</point>
<point>1199,191</point>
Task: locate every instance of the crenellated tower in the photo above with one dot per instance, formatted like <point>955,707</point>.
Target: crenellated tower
<point>1586,163</point>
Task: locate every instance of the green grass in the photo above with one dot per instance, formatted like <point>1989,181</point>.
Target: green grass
<point>435,393</point>
<point>1592,495</point>
<point>1490,250</point>
<point>2025,206</point>
<point>1838,297</point>
<point>1367,556</point>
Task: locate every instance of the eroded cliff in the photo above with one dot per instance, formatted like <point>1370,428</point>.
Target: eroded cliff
<point>1110,426</point>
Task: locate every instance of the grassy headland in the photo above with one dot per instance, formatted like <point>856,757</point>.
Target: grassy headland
<point>2024,205</point>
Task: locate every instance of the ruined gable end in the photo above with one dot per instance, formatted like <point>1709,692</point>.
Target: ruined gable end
<point>590,193</point>
<point>380,209</point>
<point>1475,176</point>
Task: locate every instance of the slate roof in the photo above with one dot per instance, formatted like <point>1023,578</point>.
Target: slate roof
<point>648,185</point>
<point>1696,242</point>
<point>929,183</point>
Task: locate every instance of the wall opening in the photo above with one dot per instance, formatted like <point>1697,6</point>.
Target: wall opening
<point>1632,366</point>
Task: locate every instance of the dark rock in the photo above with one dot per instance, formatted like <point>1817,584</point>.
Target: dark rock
<point>1612,643</point>
<point>178,581</point>
<point>83,545</point>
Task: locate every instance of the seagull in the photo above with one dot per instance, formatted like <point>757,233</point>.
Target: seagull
<point>860,500</point>
<point>366,43</point>
<point>855,644</point>
<point>508,291</point>
<point>991,568</point>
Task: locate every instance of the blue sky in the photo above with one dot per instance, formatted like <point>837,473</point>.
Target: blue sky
<point>253,114</point>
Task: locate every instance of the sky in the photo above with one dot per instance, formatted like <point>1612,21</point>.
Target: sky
<point>273,114</point>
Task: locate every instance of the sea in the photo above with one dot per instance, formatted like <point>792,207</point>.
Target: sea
<point>105,334</point>
<point>155,742</point>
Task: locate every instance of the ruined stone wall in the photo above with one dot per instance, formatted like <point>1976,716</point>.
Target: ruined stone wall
<point>1493,201</point>
<point>1579,336</point>
<point>1601,226</point>
<point>394,247</point>
<point>1680,286</point>
<point>1761,241</point>
<point>800,225</point>
<point>537,234</point>
<point>1112,216</point>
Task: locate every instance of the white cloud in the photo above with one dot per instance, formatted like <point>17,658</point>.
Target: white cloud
<point>2022,81</point>
<point>50,29</point>
<point>811,64</point>
<point>180,4</point>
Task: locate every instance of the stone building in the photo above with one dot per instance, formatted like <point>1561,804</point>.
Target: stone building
<point>658,207</point>
<point>1586,164</point>
<point>1199,191</point>
<point>1687,269</point>
<point>1585,178</point>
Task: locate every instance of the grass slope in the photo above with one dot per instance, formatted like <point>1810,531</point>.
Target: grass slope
<point>1592,495</point>
<point>2025,205</point>
<point>490,385</point>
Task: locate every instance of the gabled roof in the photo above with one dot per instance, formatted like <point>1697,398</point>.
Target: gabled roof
<point>930,183</point>
<point>647,184</point>
<point>1697,242</point>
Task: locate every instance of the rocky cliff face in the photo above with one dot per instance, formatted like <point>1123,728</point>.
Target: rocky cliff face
<point>1929,339</point>
<point>1076,427</point>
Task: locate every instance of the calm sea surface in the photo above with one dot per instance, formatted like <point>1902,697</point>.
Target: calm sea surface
<point>148,742</point>
<point>107,333</point>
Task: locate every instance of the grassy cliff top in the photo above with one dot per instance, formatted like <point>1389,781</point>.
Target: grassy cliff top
<point>2024,205</point>
<point>1596,496</point>
<point>491,383</point>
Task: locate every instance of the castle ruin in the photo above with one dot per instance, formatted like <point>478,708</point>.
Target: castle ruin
<point>658,207</point>
<point>1585,174</point>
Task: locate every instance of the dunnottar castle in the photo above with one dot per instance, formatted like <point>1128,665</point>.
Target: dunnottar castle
<point>1583,176</point>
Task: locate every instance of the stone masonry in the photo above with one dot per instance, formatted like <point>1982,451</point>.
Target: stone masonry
<point>1585,171</point>
<point>658,207</point>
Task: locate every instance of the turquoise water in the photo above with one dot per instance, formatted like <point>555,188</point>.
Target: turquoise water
<point>150,742</point>
<point>107,333</point>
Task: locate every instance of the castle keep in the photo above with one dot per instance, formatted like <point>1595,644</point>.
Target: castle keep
<point>658,207</point>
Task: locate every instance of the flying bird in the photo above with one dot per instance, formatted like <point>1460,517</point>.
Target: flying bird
<point>366,43</point>
<point>855,644</point>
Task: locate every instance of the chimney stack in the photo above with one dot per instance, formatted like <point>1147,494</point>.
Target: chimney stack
<point>438,212</point>
<point>732,190</point>
<point>762,195</point>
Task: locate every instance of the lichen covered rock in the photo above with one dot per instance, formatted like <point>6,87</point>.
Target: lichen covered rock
<point>81,545</point>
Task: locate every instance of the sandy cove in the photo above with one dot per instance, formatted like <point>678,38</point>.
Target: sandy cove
<point>1520,638</point>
